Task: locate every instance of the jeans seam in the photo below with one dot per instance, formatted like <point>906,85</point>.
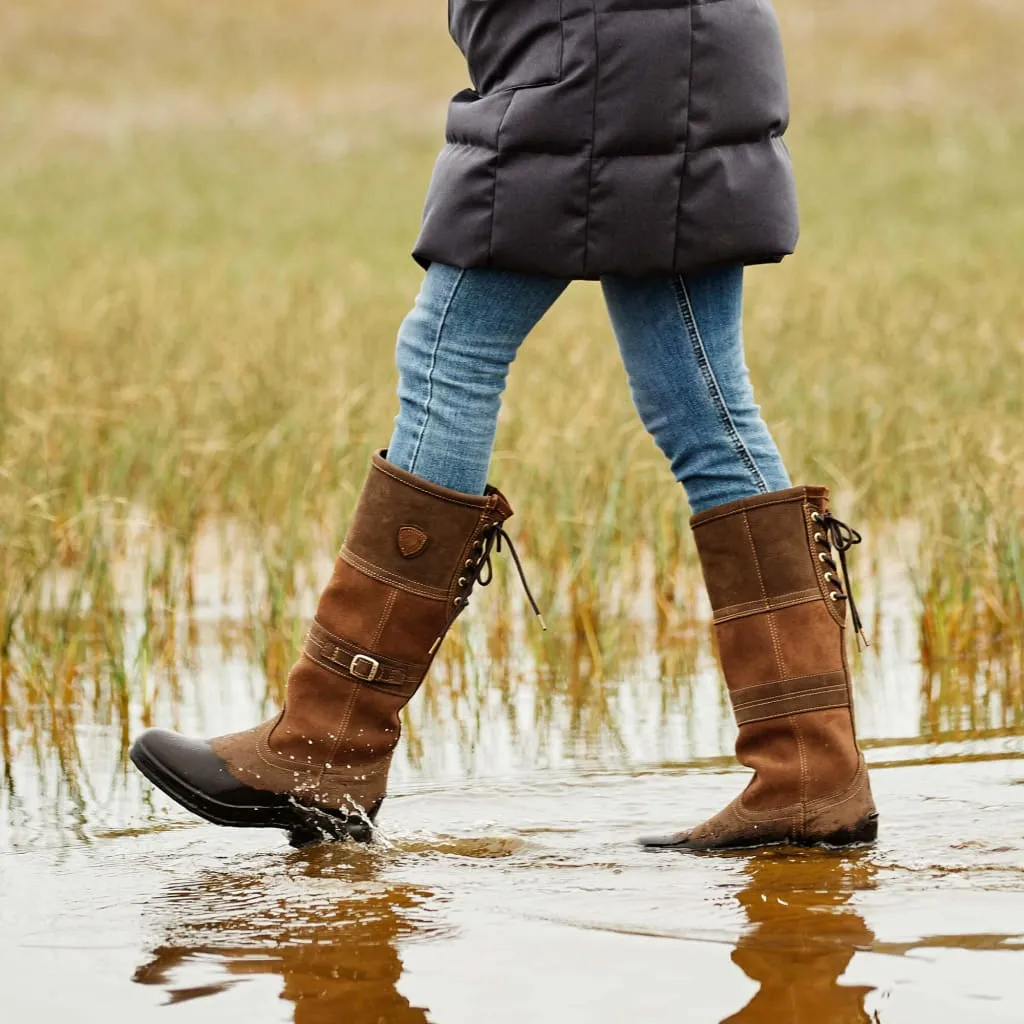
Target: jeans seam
<point>433,366</point>
<point>711,381</point>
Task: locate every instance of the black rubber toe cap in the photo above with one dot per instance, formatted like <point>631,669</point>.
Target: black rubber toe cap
<point>189,771</point>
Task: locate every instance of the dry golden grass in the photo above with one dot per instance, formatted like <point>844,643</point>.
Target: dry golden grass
<point>205,218</point>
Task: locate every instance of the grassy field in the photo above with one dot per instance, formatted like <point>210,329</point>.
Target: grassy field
<point>205,218</point>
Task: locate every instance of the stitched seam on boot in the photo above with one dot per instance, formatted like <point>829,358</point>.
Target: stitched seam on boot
<point>849,684</point>
<point>266,753</point>
<point>742,611</point>
<point>376,768</point>
<point>788,813</point>
<point>272,763</point>
<point>772,628</point>
<point>752,704</point>
<point>433,494</point>
<point>786,714</point>
<point>803,772</point>
<point>345,719</point>
<point>270,732</point>
<point>389,604</point>
<point>383,576</point>
<point>844,796</point>
<point>788,679</point>
<point>767,503</point>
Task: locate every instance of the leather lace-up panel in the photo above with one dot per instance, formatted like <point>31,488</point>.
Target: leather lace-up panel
<point>834,533</point>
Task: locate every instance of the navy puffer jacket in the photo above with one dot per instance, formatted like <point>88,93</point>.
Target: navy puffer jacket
<point>614,137</point>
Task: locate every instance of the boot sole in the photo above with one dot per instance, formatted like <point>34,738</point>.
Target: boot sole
<point>304,824</point>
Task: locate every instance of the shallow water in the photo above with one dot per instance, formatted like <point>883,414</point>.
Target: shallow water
<point>506,886</point>
<point>523,898</point>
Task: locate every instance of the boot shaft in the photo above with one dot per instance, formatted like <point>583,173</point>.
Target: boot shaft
<point>780,616</point>
<point>405,572</point>
<point>411,557</point>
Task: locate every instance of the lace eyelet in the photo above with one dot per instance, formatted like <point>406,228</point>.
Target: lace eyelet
<point>830,578</point>
<point>836,596</point>
<point>469,563</point>
<point>822,557</point>
<point>458,602</point>
<point>815,517</point>
<point>462,581</point>
<point>820,538</point>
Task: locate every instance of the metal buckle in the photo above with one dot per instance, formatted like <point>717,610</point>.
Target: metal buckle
<point>365,659</point>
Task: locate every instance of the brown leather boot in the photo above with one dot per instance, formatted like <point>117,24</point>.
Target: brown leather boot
<point>780,618</point>
<point>409,562</point>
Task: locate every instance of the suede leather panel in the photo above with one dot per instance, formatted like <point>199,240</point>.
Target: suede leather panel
<point>771,749</point>
<point>415,623</point>
<point>739,611</point>
<point>810,641</point>
<point>782,548</point>
<point>353,605</point>
<point>252,761</point>
<point>831,751</point>
<point>372,731</point>
<point>731,508</point>
<point>317,704</point>
<point>825,814</point>
<point>733,828</point>
<point>748,652</point>
<point>738,825</point>
<point>389,504</point>
<point>726,558</point>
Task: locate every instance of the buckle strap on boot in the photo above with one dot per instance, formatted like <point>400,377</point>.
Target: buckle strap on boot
<point>345,659</point>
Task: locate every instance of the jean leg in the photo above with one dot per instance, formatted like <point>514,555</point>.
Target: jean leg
<point>681,340</point>
<point>454,352</point>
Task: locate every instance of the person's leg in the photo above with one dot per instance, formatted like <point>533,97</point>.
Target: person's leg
<point>419,541</point>
<point>681,340</point>
<point>454,352</point>
<point>767,554</point>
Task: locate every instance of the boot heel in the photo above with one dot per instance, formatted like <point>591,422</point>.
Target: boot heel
<point>863,833</point>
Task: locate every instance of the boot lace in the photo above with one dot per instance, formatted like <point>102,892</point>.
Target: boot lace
<point>479,569</point>
<point>834,533</point>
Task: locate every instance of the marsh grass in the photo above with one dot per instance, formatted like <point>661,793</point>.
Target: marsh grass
<point>205,216</point>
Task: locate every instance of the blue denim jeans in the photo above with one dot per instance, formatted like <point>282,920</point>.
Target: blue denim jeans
<point>682,345</point>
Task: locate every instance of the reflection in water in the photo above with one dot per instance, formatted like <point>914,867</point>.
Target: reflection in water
<point>328,926</point>
<point>804,931</point>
